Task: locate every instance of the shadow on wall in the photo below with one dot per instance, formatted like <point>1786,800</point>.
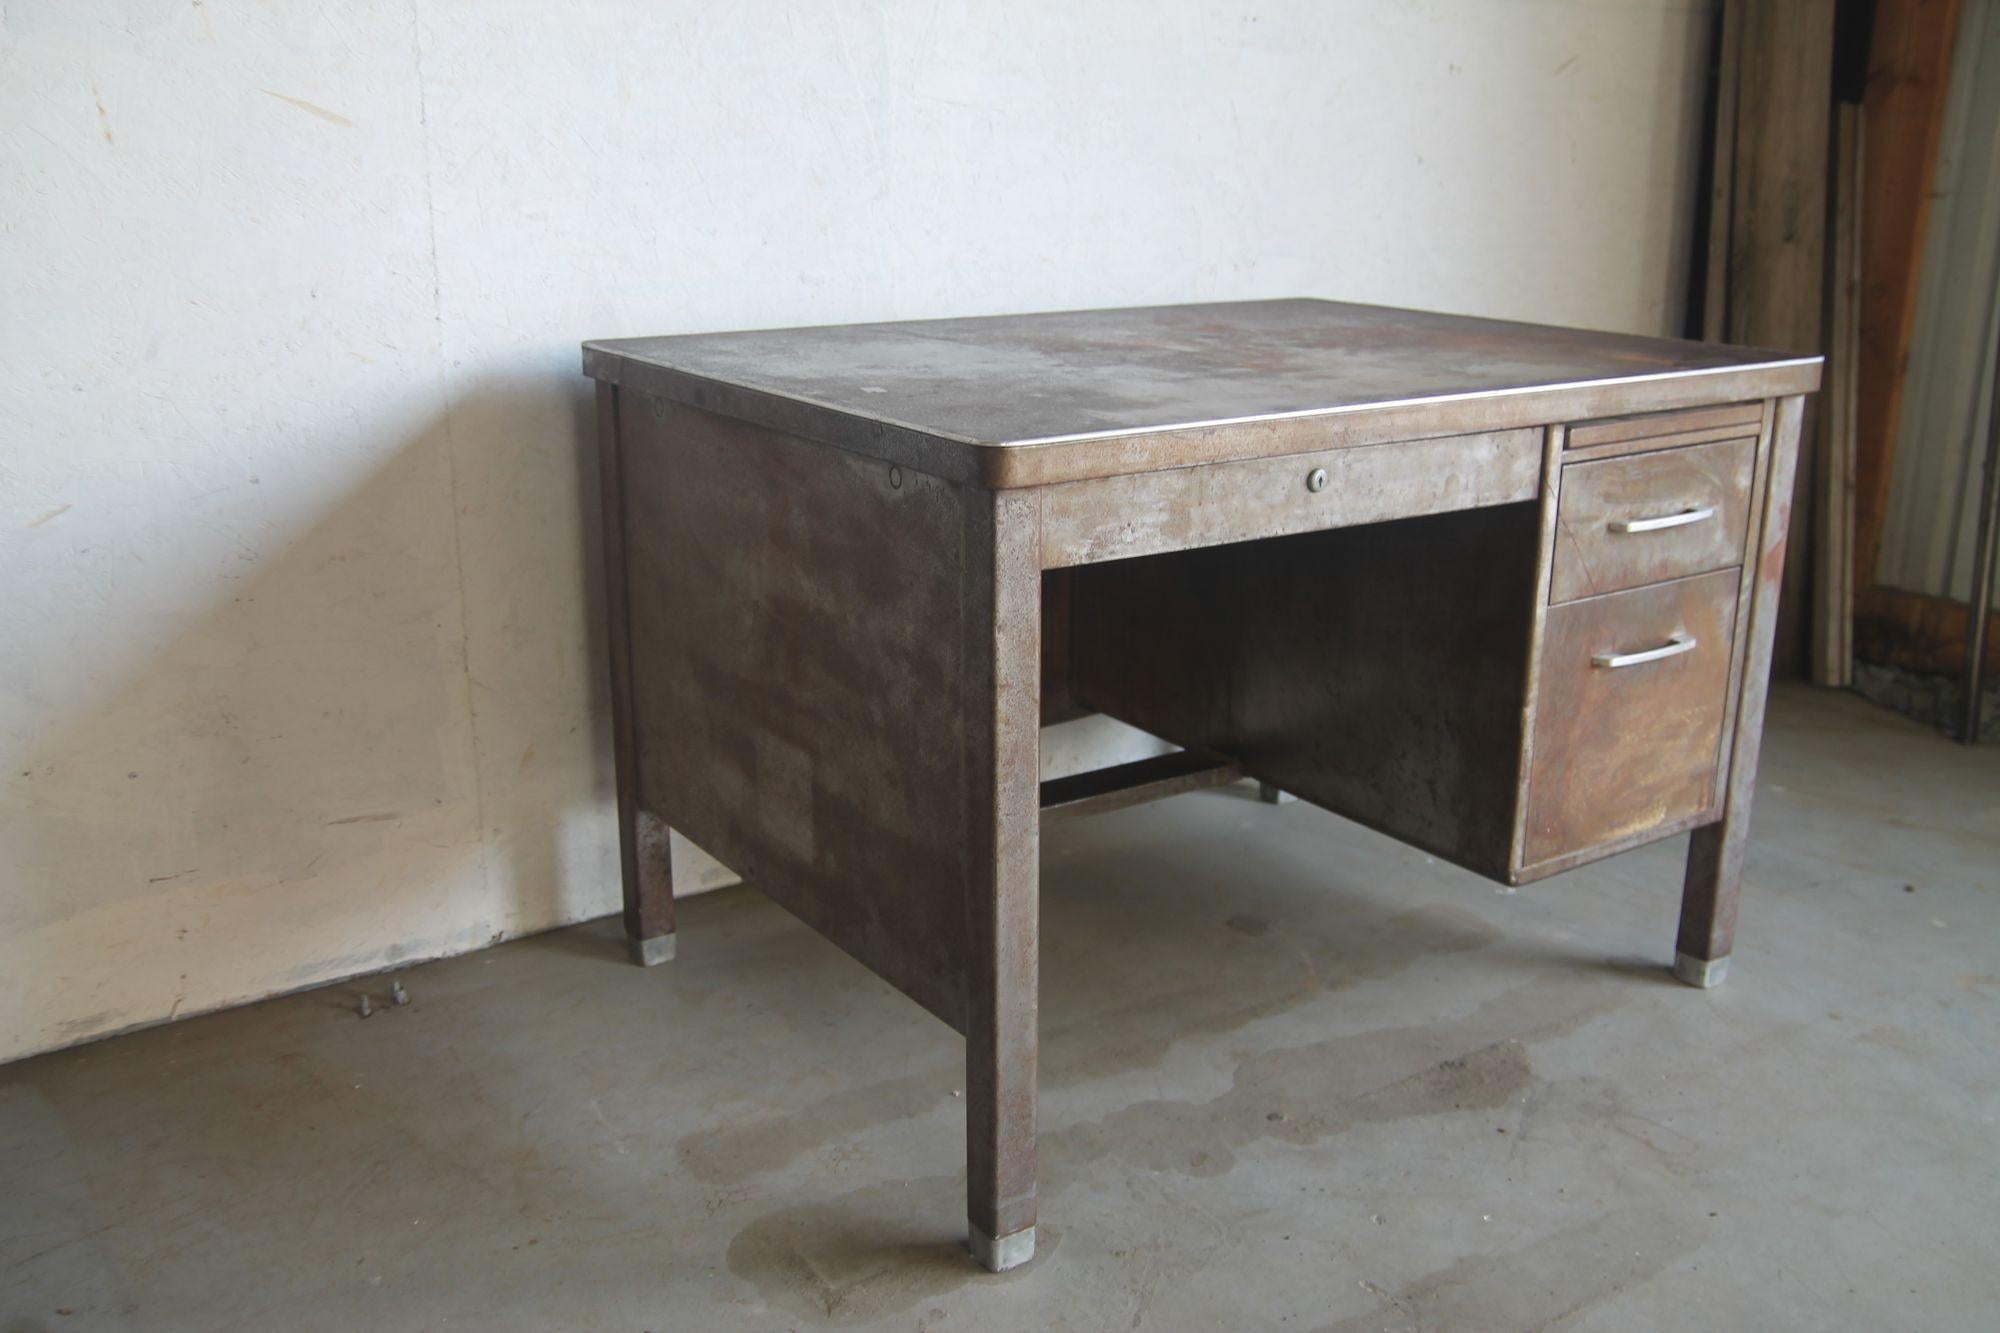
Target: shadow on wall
<point>391,741</point>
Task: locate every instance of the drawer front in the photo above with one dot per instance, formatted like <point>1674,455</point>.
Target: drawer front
<point>1647,518</point>
<point>1628,713</point>
<point>1115,518</point>
<point>1664,430</point>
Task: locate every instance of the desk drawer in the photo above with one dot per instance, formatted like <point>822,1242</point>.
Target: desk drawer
<point>1629,713</point>
<point>1146,513</point>
<point>1663,430</point>
<point>1646,518</point>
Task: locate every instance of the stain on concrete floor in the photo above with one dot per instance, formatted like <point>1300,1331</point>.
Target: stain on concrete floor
<point>1294,1076</point>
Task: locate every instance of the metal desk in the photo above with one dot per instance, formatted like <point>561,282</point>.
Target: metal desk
<point>1503,591</point>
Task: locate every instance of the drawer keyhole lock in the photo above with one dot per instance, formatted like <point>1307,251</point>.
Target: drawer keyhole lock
<point>1316,480</point>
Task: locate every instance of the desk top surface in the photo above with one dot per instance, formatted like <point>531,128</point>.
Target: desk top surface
<point>1096,392</point>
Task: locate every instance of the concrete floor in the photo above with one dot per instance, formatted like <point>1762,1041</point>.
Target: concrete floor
<point>1294,1076</point>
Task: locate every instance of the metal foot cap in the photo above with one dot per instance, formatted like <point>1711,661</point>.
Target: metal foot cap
<point>653,952</point>
<point>1704,973</point>
<point>997,1256</point>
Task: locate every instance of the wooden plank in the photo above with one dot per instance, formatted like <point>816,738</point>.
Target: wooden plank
<point>1832,656</point>
<point>1778,251</point>
<point>1917,631</point>
<point>1116,518</point>
<point>1908,71</point>
<point>1722,175</point>
<point>1121,785</point>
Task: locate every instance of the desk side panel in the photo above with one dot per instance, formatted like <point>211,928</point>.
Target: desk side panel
<point>796,664</point>
<point>1375,671</point>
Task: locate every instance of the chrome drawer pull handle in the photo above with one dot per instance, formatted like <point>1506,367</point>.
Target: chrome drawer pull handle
<point>1680,520</point>
<point>1674,647</point>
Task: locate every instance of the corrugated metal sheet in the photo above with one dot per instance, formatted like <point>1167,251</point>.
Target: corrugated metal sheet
<point>1927,536</point>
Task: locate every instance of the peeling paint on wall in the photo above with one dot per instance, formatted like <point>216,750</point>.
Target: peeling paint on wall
<point>331,117</point>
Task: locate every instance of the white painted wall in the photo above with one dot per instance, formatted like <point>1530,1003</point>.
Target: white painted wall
<point>294,595</point>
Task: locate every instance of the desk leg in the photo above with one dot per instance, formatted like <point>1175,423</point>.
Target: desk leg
<point>645,855</point>
<point>647,869</point>
<point>1708,902</point>
<point>1002,737</point>
<point>1716,851</point>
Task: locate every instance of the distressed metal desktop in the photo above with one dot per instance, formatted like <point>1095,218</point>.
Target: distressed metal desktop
<point>1503,591</point>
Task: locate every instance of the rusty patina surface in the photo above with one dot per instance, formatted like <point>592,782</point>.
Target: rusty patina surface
<point>1027,399</point>
<point>1318,542</point>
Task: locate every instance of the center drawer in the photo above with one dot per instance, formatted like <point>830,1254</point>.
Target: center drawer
<point>1629,712</point>
<point>1645,518</point>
